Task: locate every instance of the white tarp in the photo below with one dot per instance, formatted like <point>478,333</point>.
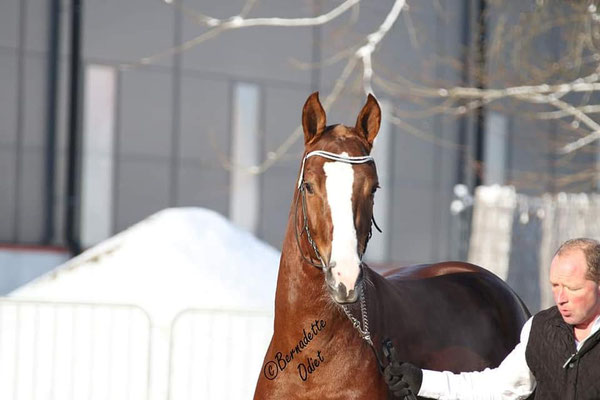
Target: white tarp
<point>492,226</point>
<point>177,259</point>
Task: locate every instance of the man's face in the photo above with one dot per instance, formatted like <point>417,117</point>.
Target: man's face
<point>577,297</point>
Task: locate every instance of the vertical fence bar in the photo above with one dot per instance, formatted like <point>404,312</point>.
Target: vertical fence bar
<point>34,356</point>
<point>54,336</point>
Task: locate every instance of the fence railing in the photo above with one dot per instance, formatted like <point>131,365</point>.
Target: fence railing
<point>77,351</point>
<point>217,354</point>
<point>73,351</point>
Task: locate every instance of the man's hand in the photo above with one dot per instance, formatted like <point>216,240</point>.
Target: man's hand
<point>403,379</point>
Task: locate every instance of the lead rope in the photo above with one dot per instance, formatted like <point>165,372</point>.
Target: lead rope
<point>388,352</point>
<point>365,334</point>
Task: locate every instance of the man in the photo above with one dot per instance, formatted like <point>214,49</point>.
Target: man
<point>558,355</point>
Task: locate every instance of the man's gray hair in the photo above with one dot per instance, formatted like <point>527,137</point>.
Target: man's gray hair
<point>591,249</point>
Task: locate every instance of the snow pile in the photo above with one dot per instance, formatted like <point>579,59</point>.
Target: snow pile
<point>176,259</point>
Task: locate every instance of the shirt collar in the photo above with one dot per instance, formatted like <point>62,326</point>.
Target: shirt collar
<point>595,327</point>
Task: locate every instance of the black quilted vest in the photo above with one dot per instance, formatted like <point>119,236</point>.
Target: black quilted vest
<point>562,373</point>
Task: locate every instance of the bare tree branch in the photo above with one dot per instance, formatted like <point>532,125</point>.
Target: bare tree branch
<point>236,22</point>
<point>365,51</point>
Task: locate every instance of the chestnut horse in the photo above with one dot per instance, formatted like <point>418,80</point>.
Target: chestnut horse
<point>332,312</point>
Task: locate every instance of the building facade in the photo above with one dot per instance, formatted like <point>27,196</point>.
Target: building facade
<point>172,113</point>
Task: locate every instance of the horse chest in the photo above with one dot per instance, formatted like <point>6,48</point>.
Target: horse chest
<point>329,367</point>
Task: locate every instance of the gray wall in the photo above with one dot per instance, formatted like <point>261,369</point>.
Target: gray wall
<point>22,116</point>
<point>173,117</point>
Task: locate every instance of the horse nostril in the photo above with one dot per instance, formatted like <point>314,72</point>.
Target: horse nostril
<point>342,290</point>
<point>351,295</point>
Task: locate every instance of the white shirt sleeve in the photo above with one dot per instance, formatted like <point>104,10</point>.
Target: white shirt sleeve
<point>512,379</point>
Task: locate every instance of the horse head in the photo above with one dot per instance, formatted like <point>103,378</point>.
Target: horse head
<point>336,187</point>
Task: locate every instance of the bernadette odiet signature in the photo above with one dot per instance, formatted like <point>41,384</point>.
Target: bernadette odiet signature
<point>272,368</point>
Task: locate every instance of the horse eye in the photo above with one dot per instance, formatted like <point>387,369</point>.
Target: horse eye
<point>308,187</point>
<point>374,189</point>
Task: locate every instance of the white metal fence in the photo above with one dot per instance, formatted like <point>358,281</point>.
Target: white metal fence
<point>73,351</point>
<point>217,354</point>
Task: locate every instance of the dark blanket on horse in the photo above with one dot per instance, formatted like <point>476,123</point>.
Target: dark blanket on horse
<point>447,316</point>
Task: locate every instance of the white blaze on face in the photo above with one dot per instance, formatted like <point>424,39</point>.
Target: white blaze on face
<point>338,183</point>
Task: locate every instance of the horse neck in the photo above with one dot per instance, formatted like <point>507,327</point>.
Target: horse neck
<point>301,300</point>
<point>299,284</point>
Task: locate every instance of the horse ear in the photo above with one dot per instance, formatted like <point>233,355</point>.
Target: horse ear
<point>313,117</point>
<point>369,119</point>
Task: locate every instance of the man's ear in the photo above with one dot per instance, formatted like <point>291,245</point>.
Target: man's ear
<point>313,118</point>
<point>369,119</point>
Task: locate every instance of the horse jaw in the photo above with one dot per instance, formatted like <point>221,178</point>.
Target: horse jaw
<point>343,270</point>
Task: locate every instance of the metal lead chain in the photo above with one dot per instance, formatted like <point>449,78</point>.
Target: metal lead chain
<point>364,330</point>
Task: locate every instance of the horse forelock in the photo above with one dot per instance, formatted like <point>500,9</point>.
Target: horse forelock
<point>340,138</point>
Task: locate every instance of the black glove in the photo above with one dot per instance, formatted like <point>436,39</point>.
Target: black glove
<point>402,378</point>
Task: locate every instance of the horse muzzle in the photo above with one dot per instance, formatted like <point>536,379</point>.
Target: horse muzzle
<point>338,291</point>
